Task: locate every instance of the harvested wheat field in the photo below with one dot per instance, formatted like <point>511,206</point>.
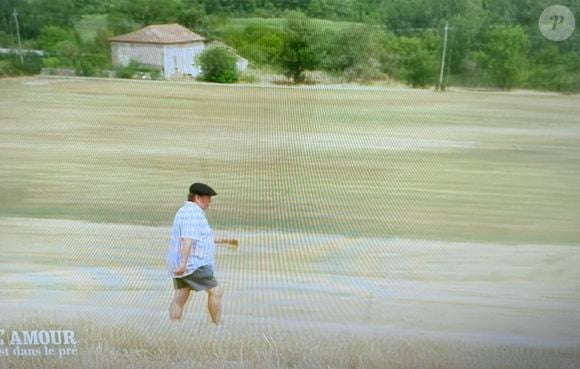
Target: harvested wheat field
<point>378,228</point>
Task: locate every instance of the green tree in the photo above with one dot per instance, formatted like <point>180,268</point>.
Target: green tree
<point>552,70</point>
<point>332,9</point>
<point>6,40</point>
<point>299,48</point>
<point>119,23</point>
<point>465,31</point>
<point>51,36</point>
<point>195,18</point>
<point>357,51</point>
<point>505,56</point>
<point>147,12</point>
<point>218,65</point>
<point>61,13</point>
<point>414,59</point>
<point>402,16</point>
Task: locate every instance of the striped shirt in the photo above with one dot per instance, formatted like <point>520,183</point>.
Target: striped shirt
<point>190,222</point>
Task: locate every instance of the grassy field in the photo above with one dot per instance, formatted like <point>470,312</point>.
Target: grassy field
<point>455,166</point>
<point>321,25</point>
<point>378,228</point>
<point>90,24</point>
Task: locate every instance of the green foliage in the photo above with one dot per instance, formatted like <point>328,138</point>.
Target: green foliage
<point>401,15</point>
<point>88,26</point>
<point>555,71</point>
<point>36,14</point>
<point>248,77</point>
<point>91,64</point>
<point>196,19</point>
<point>320,25</point>
<point>11,64</point>
<point>414,59</point>
<point>51,36</point>
<point>218,65</point>
<point>481,49</point>
<point>505,56</point>
<point>134,70</point>
<point>261,44</point>
<point>6,68</point>
<point>332,9</point>
<point>51,62</point>
<point>147,12</point>
<point>357,51</point>
<point>127,71</point>
<point>66,50</point>
<point>119,23</point>
<point>464,36</point>
<point>6,40</point>
<point>299,49</point>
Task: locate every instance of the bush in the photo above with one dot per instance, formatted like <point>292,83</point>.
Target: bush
<point>6,40</point>
<point>127,71</point>
<point>134,70</point>
<point>91,64</point>
<point>505,56</point>
<point>555,71</point>
<point>10,65</point>
<point>218,65</point>
<point>356,51</point>
<point>414,60</point>
<point>7,69</point>
<point>298,52</point>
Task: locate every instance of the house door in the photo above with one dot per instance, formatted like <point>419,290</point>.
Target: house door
<point>175,68</point>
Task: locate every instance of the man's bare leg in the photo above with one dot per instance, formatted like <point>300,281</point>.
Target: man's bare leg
<point>214,303</point>
<point>179,300</point>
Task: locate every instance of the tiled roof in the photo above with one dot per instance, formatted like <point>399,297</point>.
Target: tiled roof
<point>160,34</point>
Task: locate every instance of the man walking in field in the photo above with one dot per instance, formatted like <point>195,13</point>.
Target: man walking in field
<point>191,253</point>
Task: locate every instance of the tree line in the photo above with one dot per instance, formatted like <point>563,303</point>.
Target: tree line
<point>492,43</point>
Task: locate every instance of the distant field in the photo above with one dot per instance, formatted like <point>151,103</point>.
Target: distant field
<point>322,25</point>
<point>416,164</point>
<point>89,25</point>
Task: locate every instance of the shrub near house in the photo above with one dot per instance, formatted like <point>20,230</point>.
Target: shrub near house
<point>218,65</point>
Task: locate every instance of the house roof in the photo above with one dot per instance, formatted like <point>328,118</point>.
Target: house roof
<point>160,34</point>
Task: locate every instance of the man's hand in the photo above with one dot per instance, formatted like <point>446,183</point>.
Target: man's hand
<point>181,269</point>
<point>229,241</point>
<point>186,245</point>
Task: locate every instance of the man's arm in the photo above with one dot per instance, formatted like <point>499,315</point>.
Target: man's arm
<point>187,245</point>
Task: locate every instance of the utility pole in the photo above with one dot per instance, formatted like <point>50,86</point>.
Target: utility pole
<point>441,85</point>
<point>18,35</point>
<point>449,62</point>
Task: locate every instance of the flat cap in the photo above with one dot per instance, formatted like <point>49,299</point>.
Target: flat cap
<point>201,189</point>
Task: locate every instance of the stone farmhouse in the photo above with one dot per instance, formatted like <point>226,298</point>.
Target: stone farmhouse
<point>171,48</point>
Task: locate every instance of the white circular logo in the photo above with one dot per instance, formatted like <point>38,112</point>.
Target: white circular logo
<point>557,23</point>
